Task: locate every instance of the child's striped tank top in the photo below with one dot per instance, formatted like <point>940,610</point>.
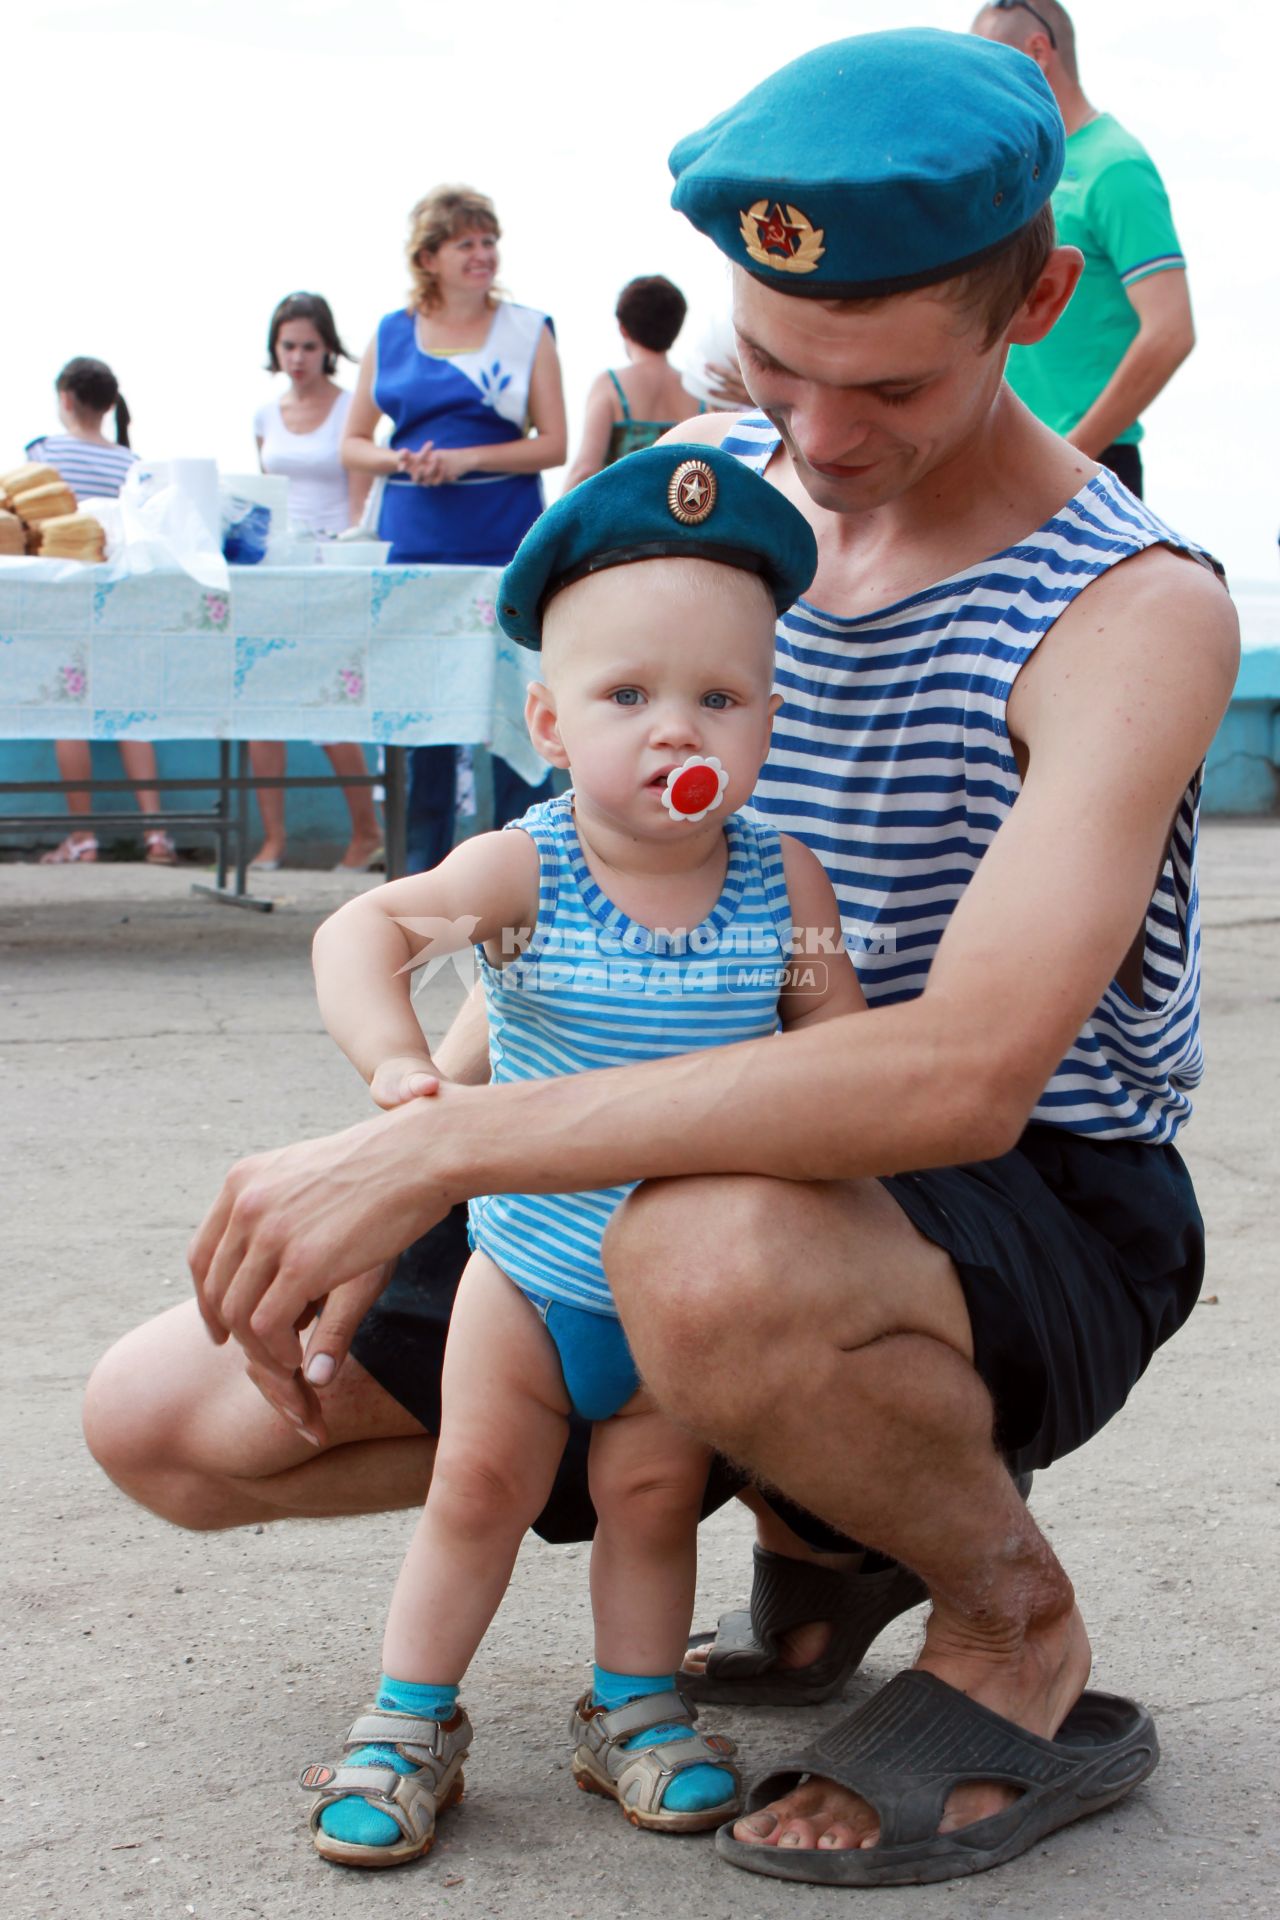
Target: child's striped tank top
<point>594,988</point>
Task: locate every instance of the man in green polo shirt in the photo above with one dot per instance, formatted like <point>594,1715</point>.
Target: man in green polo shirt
<point>1128,326</point>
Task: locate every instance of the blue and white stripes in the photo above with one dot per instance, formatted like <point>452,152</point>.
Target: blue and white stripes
<point>1158,263</point>
<point>891,758</point>
<point>596,989</point>
<point>91,471</point>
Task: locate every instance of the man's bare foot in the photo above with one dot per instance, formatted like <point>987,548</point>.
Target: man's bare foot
<point>1034,1680</point>
<point>798,1647</point>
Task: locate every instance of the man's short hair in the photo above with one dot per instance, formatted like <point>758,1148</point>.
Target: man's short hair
<point>1020,22</point>
<point>997,287</point>
<point>652,309</point>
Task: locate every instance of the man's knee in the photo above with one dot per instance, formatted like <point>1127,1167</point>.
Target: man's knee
<point>704,1271</point>
<point>675,1245</point>
<point>726,1280</point>
<point>139,1435</point>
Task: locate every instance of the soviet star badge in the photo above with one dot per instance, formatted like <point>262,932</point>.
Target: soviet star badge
<point>691,492</point>
<point>781,237</point>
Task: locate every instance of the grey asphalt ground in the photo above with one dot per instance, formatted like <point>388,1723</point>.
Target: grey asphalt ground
<point>162,1690</point>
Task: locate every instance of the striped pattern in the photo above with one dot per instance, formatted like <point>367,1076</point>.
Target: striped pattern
<point>1160,263</point>
<point>92,472</point>
<point>596,989</point>
<point>891,759</point>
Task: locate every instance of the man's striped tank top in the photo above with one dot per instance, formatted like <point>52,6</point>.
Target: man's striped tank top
<point>594,988</point>
<point>891,758</point>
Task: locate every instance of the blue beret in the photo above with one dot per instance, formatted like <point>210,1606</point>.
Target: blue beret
<point>678,500</point>
<point>873,165</point>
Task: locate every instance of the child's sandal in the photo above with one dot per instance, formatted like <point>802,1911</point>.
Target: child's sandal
<point>638,1780</point>
<point>437,1750</point>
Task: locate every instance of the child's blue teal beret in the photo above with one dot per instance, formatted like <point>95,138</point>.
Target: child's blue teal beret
<point>682,500</point>
<point>877,164</point>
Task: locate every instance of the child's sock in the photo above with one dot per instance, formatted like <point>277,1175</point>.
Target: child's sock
<point>696,1787</point>
<point>353,1819</point>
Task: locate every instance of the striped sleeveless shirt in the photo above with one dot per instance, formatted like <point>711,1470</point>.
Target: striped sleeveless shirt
<point>594,988</point>
<point>891,758</point>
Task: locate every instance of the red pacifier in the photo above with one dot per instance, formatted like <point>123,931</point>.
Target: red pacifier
<point>694,789</point>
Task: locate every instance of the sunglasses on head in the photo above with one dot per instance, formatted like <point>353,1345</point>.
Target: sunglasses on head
<point>1011,6</point>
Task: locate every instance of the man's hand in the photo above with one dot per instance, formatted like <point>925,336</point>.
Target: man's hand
<point>292,1392</point>
<point>405,1076</point>
<point>723,380</point>
<point>289,1227</point>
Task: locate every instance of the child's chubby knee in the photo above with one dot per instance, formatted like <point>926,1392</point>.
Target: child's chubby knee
<point>480,1492</point>
<point>650,1502</point>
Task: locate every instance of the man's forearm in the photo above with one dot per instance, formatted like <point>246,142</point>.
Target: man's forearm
<point>810,1105</point>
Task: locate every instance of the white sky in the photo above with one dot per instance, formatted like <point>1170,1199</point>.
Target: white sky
<point>175,166</point>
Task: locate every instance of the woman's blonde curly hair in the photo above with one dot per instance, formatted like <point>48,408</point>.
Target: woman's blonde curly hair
<point>442,215</point>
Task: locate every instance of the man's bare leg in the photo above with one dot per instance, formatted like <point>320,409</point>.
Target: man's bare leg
<point>863,1406</point>
<point>178,1424</point>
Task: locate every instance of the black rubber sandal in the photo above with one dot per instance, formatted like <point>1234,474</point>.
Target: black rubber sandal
<point>742,1666</point>
<point>915,1741</point>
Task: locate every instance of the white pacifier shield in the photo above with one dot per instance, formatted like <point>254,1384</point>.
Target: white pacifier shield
<point>695,789</point>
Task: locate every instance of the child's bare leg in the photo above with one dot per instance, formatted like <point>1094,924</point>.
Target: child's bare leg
<point>647,1480</point>
<point>502,1433</point>
<point>503,1425</point>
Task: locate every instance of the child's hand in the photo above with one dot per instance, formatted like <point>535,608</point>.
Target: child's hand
<point>405,1076</point>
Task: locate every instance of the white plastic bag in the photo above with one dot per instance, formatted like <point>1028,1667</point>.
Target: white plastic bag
<point>165,523</point>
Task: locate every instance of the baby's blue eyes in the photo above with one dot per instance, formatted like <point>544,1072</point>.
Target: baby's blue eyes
<point>632,697</point>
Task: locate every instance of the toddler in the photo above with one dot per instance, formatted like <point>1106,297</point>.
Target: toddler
<point>638,915</point>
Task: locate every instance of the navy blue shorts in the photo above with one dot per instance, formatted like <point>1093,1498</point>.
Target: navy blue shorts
<point>1078,1258</point>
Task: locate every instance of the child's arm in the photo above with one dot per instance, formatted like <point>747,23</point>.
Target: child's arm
<point>821,981</point>
<point>363,953</point>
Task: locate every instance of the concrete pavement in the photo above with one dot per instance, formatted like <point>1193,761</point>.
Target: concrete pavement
<point>163,1689</point>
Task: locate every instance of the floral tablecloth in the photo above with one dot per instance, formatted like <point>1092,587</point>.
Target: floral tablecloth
<point>402,656</point>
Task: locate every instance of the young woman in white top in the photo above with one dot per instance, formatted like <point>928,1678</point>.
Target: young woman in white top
<point>95,468</point>
<point>299,435</point>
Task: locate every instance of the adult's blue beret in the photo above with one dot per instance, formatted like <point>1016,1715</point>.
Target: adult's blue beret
<point>876,164</point>
<point>677,500</point>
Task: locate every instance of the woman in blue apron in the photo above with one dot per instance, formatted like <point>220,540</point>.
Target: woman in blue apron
<point>471,385</point>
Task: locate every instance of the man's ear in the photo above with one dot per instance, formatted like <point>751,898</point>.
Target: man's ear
<point>1044,304</point>
<point>540,718</point>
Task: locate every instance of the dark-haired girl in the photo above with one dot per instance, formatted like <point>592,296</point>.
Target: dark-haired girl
<point>299,435</point>
<point>95,469</point>
<point>630,407</point>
